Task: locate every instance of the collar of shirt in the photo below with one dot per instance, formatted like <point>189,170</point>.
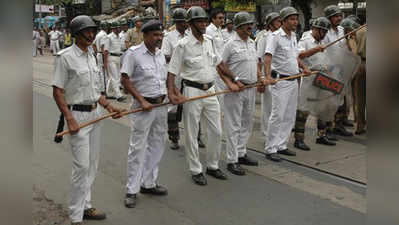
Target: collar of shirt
<point>192,38</point>
<point>78,51</point>
<point>214,28</point>
<point>282,32</point>
<point>144,50</point>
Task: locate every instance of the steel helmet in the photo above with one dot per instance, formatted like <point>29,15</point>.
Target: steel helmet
<point>331,10</point>
<point>80,23</point>
<point>270,17</point>
<point>322,23</point>
<point>242,18</point>
<point>349,24</point>
<point>123,22</point>
<point>354,18</point>
<point>179,14</point>
<point>196,12</point>
<point>136,19</point>
<point>115,24</point>
<point>103,24</point>
<point>228,21</point>
<point>288,11</point>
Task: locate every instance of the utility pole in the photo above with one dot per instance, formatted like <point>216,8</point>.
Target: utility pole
<point>40,14</point>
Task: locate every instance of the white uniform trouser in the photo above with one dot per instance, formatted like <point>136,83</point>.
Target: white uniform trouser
<point>35,46</point>
<point>266,109</point>
<point>238,122</point>
<point>209,109</point>
<point>114,77</point>
<point>282,117</point>
<point>86,150</point>
<point>100,62</point>
<point>146,147</point>
<point>55,46</point>
<point>220,86</point>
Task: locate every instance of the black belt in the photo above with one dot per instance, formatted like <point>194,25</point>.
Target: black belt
<point>246,84</point>
<point>275,74</point>
<point>198,85</point>
<point>83,108</point>
<point>116,54</point>
<point>157,100</point>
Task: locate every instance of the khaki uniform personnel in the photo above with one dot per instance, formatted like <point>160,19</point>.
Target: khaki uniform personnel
<point>77,90</point>
<point>334,14</point>
<point>169,44</point>
<point>273,23</point>
<point>144,77</point>
<point>214,30</point>
<point>113,53</point>
<point>195,61</point>
<point>311,50</point>
<point>282,57</point>
<point>134,36</point>
<point>359,84</point>
<point>239,107</point>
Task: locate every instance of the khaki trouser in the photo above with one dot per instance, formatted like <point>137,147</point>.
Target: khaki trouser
<point>359,97</point>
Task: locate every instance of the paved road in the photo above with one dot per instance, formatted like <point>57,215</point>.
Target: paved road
<point>280,194</point>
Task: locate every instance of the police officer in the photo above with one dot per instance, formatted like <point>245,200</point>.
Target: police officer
<point>239,107</point>
<point>311,48</point>
<point>214,30</point>
<point>76,90</point>
<point>36,40</point>
<point>282,56</point>
<point>195,61</point>
<point>169,43</point>
<point>134,36</point>
<point>123,33</point>
<point>228,31</point>
<point>112,61</point>
<point>144,77</point>
<point>98,46</point>
<point>54,40</point>
<point>334,14</point>
<point>273,23</point>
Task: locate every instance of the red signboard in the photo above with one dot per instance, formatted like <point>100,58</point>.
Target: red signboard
<point>327,83</point>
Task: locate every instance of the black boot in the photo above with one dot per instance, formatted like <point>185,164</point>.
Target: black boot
<point>301,145</point>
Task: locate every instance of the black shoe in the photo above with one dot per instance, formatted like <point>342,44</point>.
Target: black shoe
<point>218,174</point>
<point>236,169</point>
<point>330,136</point>
<point>157,190</point>
<point>175,145</point>
<point>199,179</point>
<point>287,152</point>
<point>93,214</point>
<point>342,131</point>
<point>121,99</point>
<point>301,145</point>
<point>273,157</point>
<point>324,141</point>
<point>360,132</point>
<point>200,143</point>
<point>245,160</point>
<point>110,97</point>
<point>347,123</point>
<point>130,200</point>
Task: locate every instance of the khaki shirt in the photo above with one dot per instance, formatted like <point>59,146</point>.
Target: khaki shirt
<point>361,40</point>
<point>133,37</point>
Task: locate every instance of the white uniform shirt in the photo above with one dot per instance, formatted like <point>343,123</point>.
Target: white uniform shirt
<point>241,59</point>
<point>261,45</point>
<point>122,36</point>
<point>284,50</point>
<point>54,35</point>
<point>308,42</point>
<point>195,61</point>
<point>98,41</point>
<point>217,36</point>
<point>77,73</point>
<point>169,43</point>
<point>36,35</point>
<point>146,71</point>
<point>259,35</point>
<point>332,35</point>
<point>227,36</point>
<point>113,44</point>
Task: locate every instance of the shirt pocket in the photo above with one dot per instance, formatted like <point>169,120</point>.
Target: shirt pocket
<point>84,77</point>
<point>239,55</point>
<point>194,62</point>
<point>147,71</point>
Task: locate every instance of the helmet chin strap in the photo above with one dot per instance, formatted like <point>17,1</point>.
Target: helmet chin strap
<point>86,38</point>
<point>196,28</point>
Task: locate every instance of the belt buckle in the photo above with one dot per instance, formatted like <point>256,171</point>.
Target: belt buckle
<point>206,86</point>
<point>93,106</point>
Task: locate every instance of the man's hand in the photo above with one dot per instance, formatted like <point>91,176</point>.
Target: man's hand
<point>73,126</point>
<point>176,99</point>
<point>261,88</point>
<point>233,87</point>
<point>147,106</point>
<point>270,81</point>
<point>112,109</point>
<point>240,85</point>
<point>306,71</point>
<point>320,48</point>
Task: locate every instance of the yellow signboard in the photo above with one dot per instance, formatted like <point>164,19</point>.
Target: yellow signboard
<point>249,7</point>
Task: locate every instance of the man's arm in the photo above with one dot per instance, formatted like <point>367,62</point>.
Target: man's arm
<point>58,95</point>
<point>174,94</point>
<point>129,87</point>
<point>312,51</point>
<point>304,67</point>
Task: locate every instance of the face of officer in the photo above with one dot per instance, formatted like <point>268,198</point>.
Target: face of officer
<point>138,24</point>
<point>244,31</point>
<point>85,37</point>
<point>218,20</point>
<point>290,23</point>
<point>318,33</point>
<point>229,26</point>
<point>336,20</point>
<point>181,26</point>
<point>153,39</point>
<point>125,27</point>
<point>199,25</point>
<point>275,24</point>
